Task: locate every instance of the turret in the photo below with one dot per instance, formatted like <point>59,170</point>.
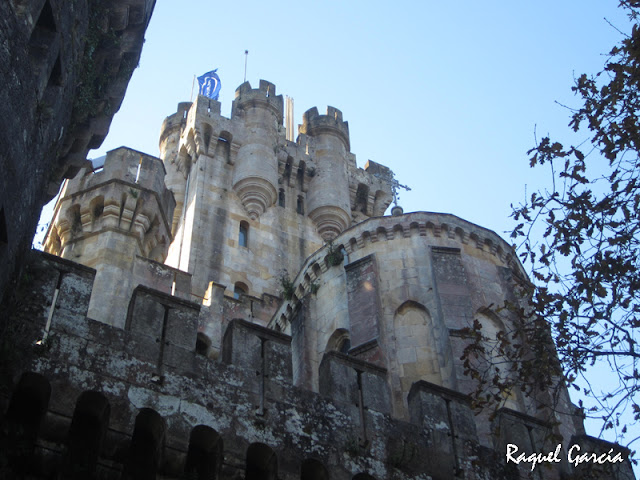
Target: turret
<point>107,218</point>
<point>176,165</point>
<point>255,178</point>
<point>328,197</point>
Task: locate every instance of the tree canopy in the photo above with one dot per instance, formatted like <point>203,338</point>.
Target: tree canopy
<point>580,238</point>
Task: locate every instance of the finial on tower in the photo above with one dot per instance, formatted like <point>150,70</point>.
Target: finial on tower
<point>388,176</point>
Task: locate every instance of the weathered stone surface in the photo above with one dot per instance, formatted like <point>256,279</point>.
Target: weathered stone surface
<point>339,360</point>
<point>63,78</point>
<point>362,289</point>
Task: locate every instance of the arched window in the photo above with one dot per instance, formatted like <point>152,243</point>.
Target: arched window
<point>416,347</point>
<point>184,163</point>
<point>239,289</point>
<point>97,209</point>
<point>73,214</point>
<point>339,341</point>
<point>262,463</point>
<point>86,435</point>
<point>312,469</point>
<point>301,168</point>
<point>204,457</point>
<point>207,133</point>
<point>146,446</point>
<point>243,234</point>
<point>345,346</point>
<point>223,147</point>
<point>27,409</point>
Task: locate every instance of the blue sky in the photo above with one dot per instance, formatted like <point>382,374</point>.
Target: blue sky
<point>448,94</point>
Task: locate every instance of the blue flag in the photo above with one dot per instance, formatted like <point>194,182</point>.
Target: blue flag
<point>210,84</point>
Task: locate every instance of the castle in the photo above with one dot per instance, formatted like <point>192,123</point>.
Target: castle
<point>240,307</point>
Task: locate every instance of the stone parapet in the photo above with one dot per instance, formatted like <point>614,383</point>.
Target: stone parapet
<point>153,403</point>
<point>314,124</point>
<point>264,96</point>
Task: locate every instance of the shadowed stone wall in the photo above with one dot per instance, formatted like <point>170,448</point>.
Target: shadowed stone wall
<point>64,69</point>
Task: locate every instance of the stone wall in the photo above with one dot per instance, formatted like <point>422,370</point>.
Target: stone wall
<point>88,400</point>
<point>146,381</point>
<point>64,69</point>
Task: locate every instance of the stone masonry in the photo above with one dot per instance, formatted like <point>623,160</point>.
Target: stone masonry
<point>241,308</point>
<point>64,69</point>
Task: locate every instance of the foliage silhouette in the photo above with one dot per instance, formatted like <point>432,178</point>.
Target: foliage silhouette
<point>581,241</point>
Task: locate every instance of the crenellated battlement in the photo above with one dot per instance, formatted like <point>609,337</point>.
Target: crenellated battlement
<point>174,123</point>
<point>113,219</point>
<point>150,380</point>
<point>150,376</point>
<point>127,193</point>
<point>264,96</point>
<point>314,124</point>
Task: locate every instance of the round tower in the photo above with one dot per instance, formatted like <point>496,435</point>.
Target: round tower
<point>175,164</point>
<point>255,178</point>
<point>328,196</point>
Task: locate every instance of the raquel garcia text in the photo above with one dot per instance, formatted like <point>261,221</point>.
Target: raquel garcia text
<point>574,456</point>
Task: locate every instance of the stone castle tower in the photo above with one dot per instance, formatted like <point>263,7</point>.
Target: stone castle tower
<point>241,308</point>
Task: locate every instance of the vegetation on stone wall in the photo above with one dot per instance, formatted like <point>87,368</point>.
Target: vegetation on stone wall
<point>334,255</point>
<point>287,285</point>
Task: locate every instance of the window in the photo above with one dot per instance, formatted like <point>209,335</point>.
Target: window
<point>208,132</point>
<point>287,169</point>
<point>146,445</point>
<point>86,435</point>
<point>281,197</point>
<point>344,346</point>
<point>202,344</point>
<point>312,469</point>
<point>339,341</point>
<point>300,208</point>
<point>204,456</point>
<point>362,196</point>
<point>243,235</point>
<point>239,289</point>
<point>261,463</point>
<point>223,148</point>
<point>300,179</point>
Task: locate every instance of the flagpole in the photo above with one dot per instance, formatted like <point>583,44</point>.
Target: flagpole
<point>192,85</point>
<point>246,55</point>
